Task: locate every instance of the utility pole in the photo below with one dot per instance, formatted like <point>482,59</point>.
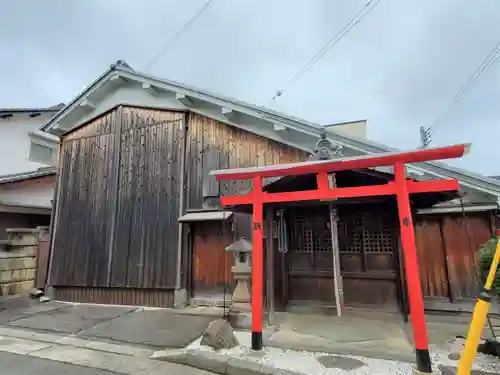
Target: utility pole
<point>425,137</point>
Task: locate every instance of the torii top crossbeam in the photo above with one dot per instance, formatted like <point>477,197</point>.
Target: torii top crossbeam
<point>342,164</point>
<point>401,187</point>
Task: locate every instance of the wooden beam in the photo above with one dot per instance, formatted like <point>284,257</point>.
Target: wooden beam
<point>227,113</point>
<point>184,99</point>
<point>337,276</point>
<point>150,89</point>
<point>58,131</point>
<point>279,128</point>
<point>117,79</point>
<point>87,105</point>
<point>269,217</point>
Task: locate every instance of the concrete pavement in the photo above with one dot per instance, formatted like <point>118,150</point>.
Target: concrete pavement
<point>159,328</point>
<point>102,339</point>
<point>156,328</point>
<point>22,365</point>
<point>88,356</point>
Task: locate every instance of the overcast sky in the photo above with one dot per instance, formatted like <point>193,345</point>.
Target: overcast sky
<point>398,68</point>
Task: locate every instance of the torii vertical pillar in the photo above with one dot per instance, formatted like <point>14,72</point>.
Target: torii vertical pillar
<point>257,264</point>
<point>412,270</point>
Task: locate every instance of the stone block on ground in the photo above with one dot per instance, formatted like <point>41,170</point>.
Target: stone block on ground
<point>219,335</point>
<point>35,293</point>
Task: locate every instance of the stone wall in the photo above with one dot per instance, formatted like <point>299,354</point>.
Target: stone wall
<point>18,261</point>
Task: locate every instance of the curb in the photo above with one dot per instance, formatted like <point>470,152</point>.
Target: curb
<point>220,364</point>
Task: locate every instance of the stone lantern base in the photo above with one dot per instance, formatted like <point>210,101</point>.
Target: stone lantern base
<point>241,299</point>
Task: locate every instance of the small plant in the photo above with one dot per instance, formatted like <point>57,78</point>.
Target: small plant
<point>485,257</point>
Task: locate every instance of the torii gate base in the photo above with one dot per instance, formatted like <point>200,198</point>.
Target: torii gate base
<point>401,187</point>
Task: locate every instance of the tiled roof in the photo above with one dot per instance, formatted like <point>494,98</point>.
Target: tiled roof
<point>40,172</point>
<point>54,108</point>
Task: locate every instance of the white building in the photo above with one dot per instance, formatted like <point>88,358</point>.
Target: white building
<point>26,187</point>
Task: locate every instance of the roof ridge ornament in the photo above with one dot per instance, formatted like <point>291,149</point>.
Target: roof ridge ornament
<point>325,149</point>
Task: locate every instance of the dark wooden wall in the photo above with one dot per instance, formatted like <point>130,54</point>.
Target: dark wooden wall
<point>118,200</point>
<point>213,145</point>
<point>447,247</point>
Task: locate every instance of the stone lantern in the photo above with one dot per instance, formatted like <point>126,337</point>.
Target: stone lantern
<point>242,250</point>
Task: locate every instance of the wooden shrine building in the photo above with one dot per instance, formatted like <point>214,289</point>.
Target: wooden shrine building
<point>136,216</point>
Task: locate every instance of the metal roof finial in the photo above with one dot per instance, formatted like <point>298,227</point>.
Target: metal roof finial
<point>324,149</point>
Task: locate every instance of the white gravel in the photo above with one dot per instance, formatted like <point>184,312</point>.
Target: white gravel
<point>306,362</point>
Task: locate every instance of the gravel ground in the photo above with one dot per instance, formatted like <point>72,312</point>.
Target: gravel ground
<point>307,362</point>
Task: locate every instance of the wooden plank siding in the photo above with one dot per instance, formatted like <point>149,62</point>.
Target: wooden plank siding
<point>211,263</point>
<point>81,242</point>
<point>116,296</point>
<point>145,250</point>
<point>431,256</point>
<point>119,201</point>
<point>447,248</point>
<point>214,145</point>
<point>462,237</point>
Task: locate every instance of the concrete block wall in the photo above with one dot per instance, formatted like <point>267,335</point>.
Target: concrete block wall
<point>18,261</point>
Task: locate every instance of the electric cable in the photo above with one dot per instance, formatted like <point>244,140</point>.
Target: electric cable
<point>176,36</point>
<point>489,61</point>
<point>330,44</point>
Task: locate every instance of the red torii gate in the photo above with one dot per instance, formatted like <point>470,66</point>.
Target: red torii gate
<point>401,187</point>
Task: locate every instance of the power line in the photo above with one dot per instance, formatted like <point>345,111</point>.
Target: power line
<point>176,36</point>
<point>330,44</point>
<point>489,61</point>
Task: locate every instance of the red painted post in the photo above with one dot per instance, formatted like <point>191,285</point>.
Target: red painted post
<point>412,271</point>
<point>257,264</point>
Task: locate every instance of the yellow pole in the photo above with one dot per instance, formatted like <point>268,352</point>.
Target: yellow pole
<point>478,318</point>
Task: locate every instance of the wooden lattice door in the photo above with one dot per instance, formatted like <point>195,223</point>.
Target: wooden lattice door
<point>368,244</point>
<point>310,256</point>
<point>368,256</point>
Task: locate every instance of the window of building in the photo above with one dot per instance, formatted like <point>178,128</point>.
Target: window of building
<point>41,154</point>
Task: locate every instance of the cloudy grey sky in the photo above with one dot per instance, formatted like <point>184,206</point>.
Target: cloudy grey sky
<point>398,68</point>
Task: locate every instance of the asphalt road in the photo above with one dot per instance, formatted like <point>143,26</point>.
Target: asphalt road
<point>26,365</point>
